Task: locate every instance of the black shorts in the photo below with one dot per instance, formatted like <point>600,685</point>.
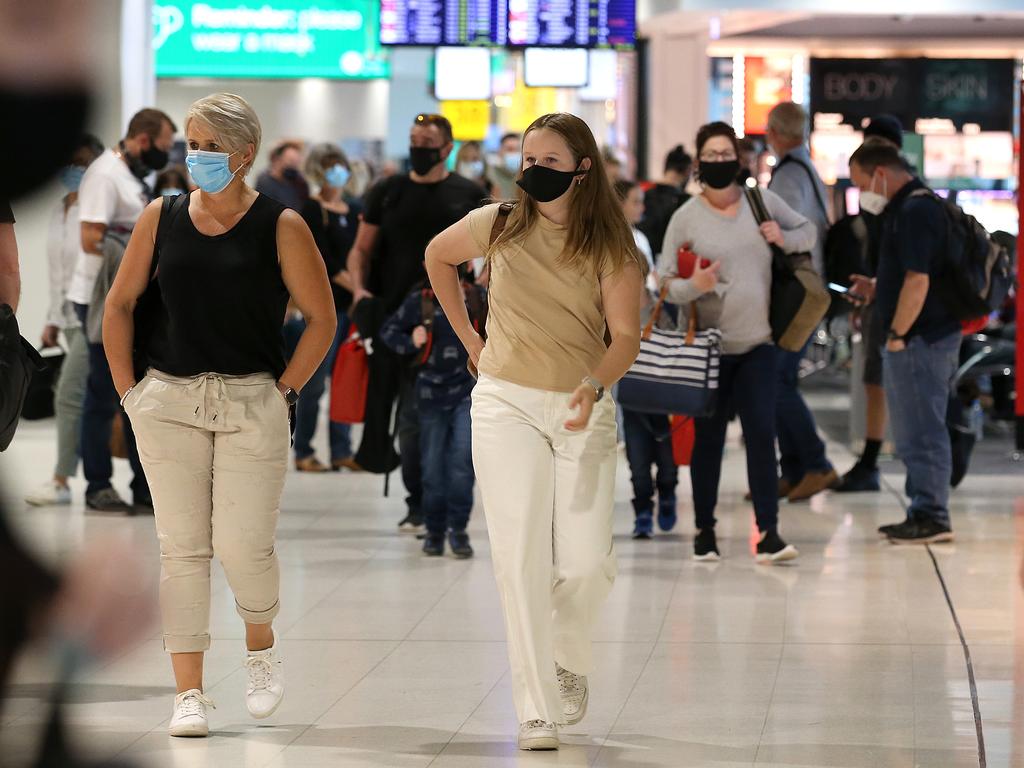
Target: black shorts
<point>873,335</point>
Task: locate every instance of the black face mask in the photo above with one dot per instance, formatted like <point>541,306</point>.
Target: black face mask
<point>154,159</point>
<point>52,117</point>
<point>720,175</point>
<point>423,159</point>
<point>291,174</point>
<point>545,184</point>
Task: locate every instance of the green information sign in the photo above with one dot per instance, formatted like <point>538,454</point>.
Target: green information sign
<point>268,39</point>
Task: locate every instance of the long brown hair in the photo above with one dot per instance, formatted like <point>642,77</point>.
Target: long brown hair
<point>598,233</point>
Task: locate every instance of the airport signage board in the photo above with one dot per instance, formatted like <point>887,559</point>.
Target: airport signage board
<point>268,39</point>
<point>961,90</point>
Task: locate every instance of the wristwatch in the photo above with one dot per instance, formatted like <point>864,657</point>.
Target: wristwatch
<point>598,387</point>
<point>893,336</point>
<point>291,396</point>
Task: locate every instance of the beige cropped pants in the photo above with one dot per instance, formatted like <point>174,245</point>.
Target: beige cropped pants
<point>215,450</point>
<point>548,497</point>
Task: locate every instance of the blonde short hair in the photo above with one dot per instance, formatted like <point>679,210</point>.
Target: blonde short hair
<point>233,121</point>
<point>318,155</point>
<point>788,119</point>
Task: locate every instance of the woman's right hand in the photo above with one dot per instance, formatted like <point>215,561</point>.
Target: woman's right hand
<point>475,346</point>
<point>705,279</point>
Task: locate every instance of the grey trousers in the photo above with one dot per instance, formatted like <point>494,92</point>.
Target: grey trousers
<point>68,401</point>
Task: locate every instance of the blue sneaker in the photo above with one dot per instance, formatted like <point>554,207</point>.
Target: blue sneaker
<point>644,526</point>
<point>667,517</point>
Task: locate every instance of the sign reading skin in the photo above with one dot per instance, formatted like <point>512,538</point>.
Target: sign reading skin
<point>268,39</point>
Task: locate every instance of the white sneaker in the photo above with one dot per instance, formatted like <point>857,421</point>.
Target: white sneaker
<point>538,734</point>
<point>189,717</point>
<point>575,693</point>
<point>50,494</point>
<point>266,681</point>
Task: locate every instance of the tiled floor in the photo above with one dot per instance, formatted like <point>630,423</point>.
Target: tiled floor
<point>849,658</point>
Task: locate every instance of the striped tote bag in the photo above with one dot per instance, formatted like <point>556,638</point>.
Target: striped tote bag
<point>676,372</point>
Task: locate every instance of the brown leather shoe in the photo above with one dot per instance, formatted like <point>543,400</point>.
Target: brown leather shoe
<point>348,463</point>
<point>812,483</point>
<point>311,464</point>
<point>784,489</point>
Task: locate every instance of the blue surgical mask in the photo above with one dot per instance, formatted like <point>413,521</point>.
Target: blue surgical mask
<point>514,163</point>
<point>210,170</point>
<point>171,192</point>
<point>471,169</point>
<point>337,175</point>
<point>71,177</point>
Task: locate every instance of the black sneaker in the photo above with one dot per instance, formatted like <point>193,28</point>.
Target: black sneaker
<point>643,527</point>
<point>459,543</point>
<point>860,479</point>
<point>705,546</point>
<point>772,549</point>
<point>886,530</point>
<point>142,505</point>
<point>920,532</point>
<point>433,545</point>
<point>107,500</point>
<point>411,524</point>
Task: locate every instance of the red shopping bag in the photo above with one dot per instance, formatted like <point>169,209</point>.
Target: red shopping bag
<point>349,381</point>
<point>682,440</point>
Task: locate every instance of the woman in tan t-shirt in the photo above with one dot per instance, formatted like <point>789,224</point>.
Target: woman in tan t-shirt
<point>565,273</point>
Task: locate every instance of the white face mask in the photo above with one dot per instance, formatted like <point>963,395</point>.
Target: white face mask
<point>872,202</point>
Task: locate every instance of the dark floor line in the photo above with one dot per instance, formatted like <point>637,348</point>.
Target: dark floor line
<point>967,657</point>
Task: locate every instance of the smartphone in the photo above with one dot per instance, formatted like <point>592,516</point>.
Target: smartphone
<point>842,289</point>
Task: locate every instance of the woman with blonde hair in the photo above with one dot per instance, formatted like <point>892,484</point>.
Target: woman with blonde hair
<point>212,413</point>
<point>563,326</point>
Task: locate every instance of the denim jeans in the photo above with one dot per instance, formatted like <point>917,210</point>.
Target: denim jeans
<point>917,385</point>
<point>649,441</point>
<point>446,448</point>
<point>307,410</point>
<point>800,449</point>
<point>98,408</point>
<point>746,385</point>
<point>409,443</point>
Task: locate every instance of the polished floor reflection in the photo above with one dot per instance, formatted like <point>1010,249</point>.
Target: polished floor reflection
<point>847,658</point>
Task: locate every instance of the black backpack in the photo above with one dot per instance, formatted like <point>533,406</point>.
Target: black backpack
<point>660,202</point>
<point>846,253</point>
<point>976,275</point>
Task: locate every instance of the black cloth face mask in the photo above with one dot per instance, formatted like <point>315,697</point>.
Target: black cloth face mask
<point>155,159</point>
<point>423,159</point>
<point>720,175</point>
<point>545,184</point>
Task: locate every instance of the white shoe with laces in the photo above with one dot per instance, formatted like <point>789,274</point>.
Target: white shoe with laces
<point>189,719</point>
<point>266,681</point>
<point>575,693</point>
<point>50,494</point>
<point>538,735</point>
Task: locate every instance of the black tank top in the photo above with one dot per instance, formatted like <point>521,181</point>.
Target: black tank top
<point>224,297</point>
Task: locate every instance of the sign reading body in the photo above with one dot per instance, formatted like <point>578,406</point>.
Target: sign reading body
<point>268,39</point>
<point>962,90</point>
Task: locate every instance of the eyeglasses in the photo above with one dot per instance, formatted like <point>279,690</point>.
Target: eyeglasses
<point>712,157</point>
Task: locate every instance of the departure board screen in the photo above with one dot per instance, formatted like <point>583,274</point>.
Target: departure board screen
<point>515,23</point>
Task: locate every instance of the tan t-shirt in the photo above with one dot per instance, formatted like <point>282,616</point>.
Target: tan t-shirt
<point>545,322</point>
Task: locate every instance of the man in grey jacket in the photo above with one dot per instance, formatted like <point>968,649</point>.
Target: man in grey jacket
<point>805,468</point>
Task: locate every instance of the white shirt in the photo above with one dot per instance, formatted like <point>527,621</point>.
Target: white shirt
<point>63,245</point>
<point>644,246</point>
<point>109,195</point>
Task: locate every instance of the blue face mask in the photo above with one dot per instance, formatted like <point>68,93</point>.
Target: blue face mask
<point>471,169</point>
<point>514,163</point>
<point>337,176</point>
<point>71,177</point>
<point>210,170</point>
<point>171,192</point>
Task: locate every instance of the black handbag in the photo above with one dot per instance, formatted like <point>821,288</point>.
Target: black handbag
<point>19,361</point>
<point>39,400</point>
<point>150,315</point>
<point>799,300</point>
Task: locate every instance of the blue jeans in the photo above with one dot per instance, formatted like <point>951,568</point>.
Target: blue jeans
<point>746,385</point>
<point>98,408</point>
<point>649,441</point>
<point>917,385</point>
<point>446,448</point>
<point>800,449</point>
<point>307,410</point>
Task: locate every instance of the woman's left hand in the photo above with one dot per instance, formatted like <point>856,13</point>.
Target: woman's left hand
<point>772,232</point>
<point>582,399</point>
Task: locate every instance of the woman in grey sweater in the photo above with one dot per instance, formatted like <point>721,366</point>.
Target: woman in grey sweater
<point>732,294</point>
